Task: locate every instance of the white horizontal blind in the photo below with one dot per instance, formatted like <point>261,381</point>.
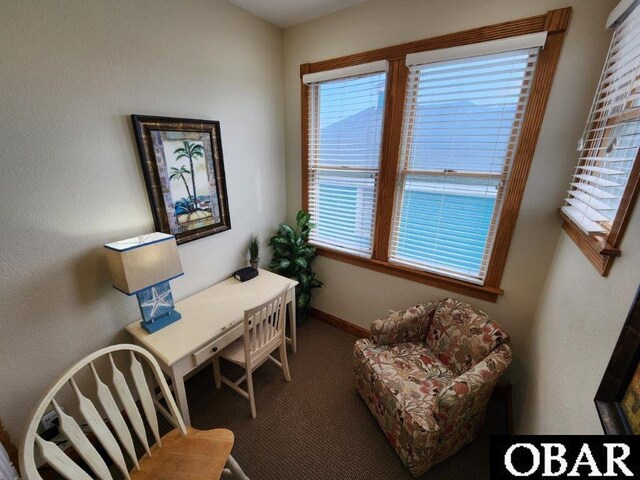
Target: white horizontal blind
<point>345,131</point>
<point>508,44</point>
<point>345,72</point>
<point>609,145</point>
<point>462,120</point>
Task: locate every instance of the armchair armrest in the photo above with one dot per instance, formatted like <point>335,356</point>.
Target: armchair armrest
<point>465,399</point>
<point>405,326</point>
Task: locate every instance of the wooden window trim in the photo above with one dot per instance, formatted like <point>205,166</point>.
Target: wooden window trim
<point>601,250</point>
<point>555,23</point>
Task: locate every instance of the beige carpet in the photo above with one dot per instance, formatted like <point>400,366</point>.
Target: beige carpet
<point>317,426</point>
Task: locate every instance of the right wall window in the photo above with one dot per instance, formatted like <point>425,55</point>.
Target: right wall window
<point>605,182</point>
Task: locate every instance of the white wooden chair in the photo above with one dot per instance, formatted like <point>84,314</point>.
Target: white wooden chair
<point>184,452</point>
<point>264,332</point>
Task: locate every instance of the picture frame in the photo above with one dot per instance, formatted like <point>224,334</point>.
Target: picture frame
<point>618,397</point>
<point>183,168</point>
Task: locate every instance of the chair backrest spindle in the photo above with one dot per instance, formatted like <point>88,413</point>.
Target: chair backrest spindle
<point>129,404</point>
<point>70,428</point>
<point>100,429</point>
<point>115,416</point>
<point>142,387</point>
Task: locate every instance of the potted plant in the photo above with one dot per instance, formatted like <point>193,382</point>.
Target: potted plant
<point>253,249</point>
<point>292,257</point>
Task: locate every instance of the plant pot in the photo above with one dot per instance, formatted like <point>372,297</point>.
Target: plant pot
<point>254,262</point>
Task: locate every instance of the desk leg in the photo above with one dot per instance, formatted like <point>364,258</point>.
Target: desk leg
<point>177,379</point>
<point>217,378</point>
<point>292,320</point>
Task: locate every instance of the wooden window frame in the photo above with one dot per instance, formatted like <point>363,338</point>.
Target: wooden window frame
<point>555,23</point>
<point>601,250</point>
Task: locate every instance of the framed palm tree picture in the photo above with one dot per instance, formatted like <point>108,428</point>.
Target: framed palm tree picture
<point>184,172</point>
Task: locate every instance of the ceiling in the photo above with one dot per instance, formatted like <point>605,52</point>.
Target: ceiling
<point>285,13</point>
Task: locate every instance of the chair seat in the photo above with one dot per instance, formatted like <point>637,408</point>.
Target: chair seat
<point>234,352</point>
<point>200,455</point>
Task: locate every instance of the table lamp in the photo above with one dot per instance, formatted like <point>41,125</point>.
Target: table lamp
<point>142,266</point>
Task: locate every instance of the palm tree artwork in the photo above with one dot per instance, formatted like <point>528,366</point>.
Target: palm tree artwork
<point>178,174</point>
<point>191,151</point>
<point>191,208</point>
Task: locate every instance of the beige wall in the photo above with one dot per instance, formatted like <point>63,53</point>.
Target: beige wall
<point>359,295</point>
<point>72,71</point>
<point>574,331</point>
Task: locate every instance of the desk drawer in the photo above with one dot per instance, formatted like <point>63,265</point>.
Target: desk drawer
<point>214,347</point>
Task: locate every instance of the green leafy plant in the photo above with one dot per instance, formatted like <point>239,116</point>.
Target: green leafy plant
<point>292,257</point>
<point>253,247</point>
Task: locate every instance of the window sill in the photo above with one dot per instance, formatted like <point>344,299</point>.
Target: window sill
<point>596,249</point>
<point>483,292</point>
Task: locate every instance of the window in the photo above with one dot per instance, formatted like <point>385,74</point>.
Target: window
<point>462,121</point>
<point>415,157</point>
<point>605,181</point>
<point>345,131</point>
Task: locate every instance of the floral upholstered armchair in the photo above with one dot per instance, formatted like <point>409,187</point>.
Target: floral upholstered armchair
<point>427,374</point>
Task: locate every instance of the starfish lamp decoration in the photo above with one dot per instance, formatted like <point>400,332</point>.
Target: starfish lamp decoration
<point>156,307</point>
<point>157,300</point>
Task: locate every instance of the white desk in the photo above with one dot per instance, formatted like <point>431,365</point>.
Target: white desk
<point>211,320</point>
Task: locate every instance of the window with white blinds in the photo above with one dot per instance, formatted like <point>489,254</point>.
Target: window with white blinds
<point>420,185</point>
<point>344,140</point>
<point>462,120</point>
<point>609,145</point>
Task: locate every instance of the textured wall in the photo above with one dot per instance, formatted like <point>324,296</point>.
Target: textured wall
<point>360,295</point>
<point>72,72</point>
<point>574,331</point>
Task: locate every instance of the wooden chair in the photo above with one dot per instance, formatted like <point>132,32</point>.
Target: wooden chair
<point>183,453</point>
<point>264,332</point>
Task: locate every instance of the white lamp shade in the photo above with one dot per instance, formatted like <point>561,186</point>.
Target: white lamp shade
<point>140,262</point>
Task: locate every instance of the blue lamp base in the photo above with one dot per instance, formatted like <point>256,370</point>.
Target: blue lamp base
<point>160,322</point>
<point>156,307</point>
